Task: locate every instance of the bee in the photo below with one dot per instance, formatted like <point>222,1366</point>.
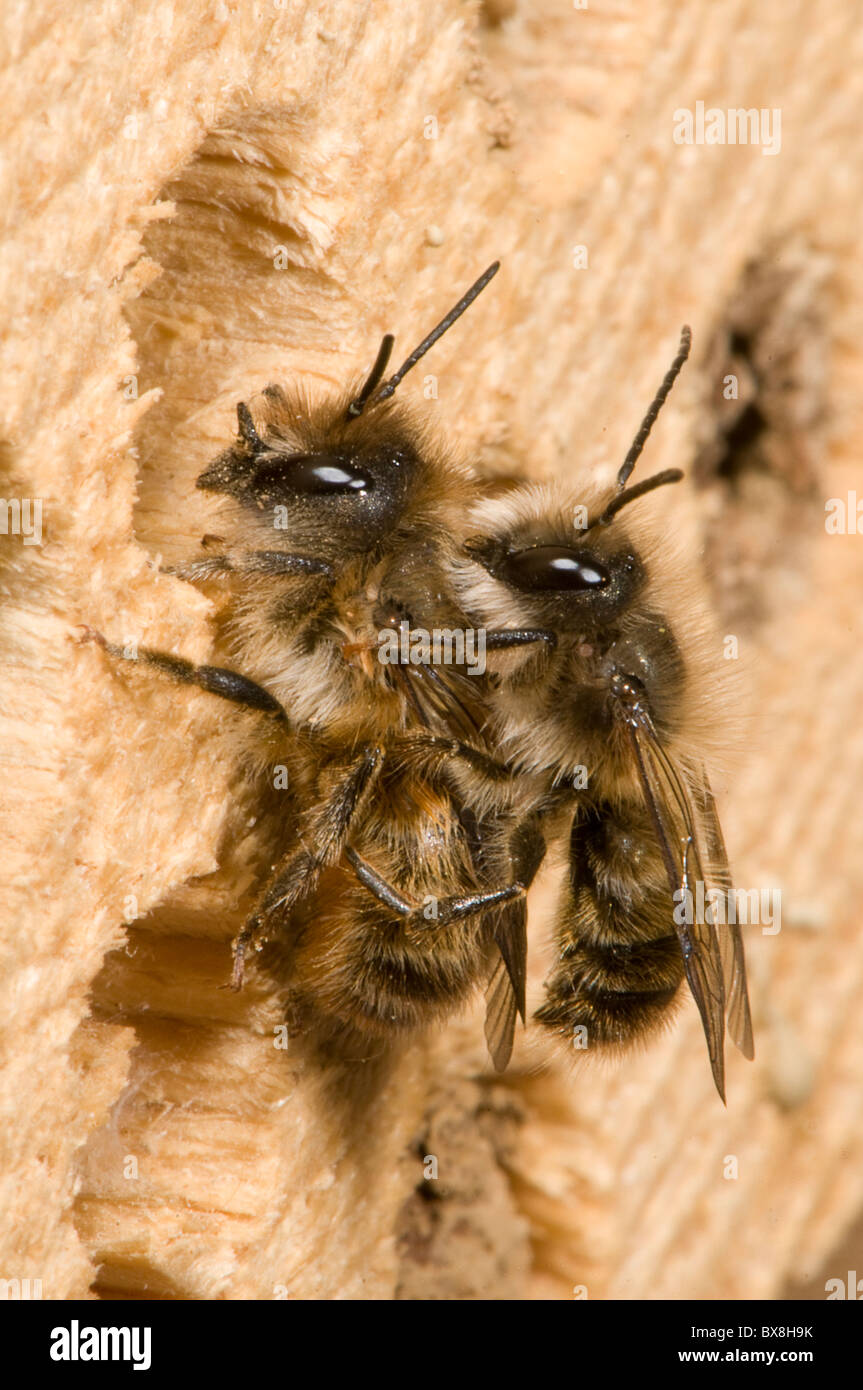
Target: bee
<point>341,521</point>
<point>604,711</point>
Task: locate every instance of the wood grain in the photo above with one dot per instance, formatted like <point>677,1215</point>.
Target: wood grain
<point>198,202</point>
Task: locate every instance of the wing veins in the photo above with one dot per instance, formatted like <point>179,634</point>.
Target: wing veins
<point>701,958</point>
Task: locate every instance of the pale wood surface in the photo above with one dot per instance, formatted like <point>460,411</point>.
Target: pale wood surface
<point>155,159</point>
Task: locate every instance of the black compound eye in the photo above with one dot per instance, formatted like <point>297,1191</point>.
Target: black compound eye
<point>311,475</point>
<point>554,567</point>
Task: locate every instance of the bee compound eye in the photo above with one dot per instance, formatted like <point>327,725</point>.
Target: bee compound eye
<point>554,567</point>
<point>311,475</point>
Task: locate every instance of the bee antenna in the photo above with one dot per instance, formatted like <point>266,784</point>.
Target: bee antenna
<point>359,403</point>
<point>367,394</point>
<point>629,494</point>
<point>655,406</point>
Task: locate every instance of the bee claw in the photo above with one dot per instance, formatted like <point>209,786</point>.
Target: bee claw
<point>90,634</point>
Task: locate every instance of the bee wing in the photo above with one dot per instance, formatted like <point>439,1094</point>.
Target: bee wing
<point>505,995</point>
<point>441,692</point>
<point>510,934</point>
<point>730,938</point>
<point>500,1016</point>
<point>670,808</point>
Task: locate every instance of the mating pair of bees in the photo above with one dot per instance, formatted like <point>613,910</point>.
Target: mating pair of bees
<point>424,791</point>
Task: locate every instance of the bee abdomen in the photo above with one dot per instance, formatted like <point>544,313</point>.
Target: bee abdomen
<point>614,992</point>
<point>620,965</point>
<point>406,986</point>
<point>364,974</point>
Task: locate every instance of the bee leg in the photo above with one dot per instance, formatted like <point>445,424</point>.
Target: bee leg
<point>501,639</point>
<point>527,850</point>
<point>298,873</point>
<point>445,910</point>
<point>454,748</point>
<point>216,680</point>
<point>210,567</point>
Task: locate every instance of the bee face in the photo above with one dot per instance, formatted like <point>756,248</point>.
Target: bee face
<point>335,486</point>
<point>571,586</point>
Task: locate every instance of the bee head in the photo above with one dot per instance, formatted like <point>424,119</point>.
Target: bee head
<point>561,582</point>
<point>560,573</point>
<point>315,476</point>
<point>339,476</point>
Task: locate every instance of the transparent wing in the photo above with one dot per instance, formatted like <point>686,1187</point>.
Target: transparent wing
<point>441,695</point>
<point>510,934</point>
<point>505,995</point>
<point>730,937</point>
<point>500,1016</point>
<point>670,807</point>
